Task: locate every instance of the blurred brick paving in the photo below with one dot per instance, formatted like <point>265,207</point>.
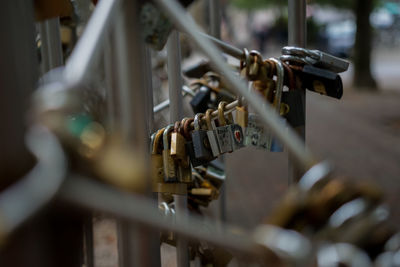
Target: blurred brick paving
<point>360,134</point>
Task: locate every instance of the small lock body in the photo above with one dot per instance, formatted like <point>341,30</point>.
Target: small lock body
<point>184,173</point>
<point>295,100</point>
<point>212,139</point>
<point>224,138</point>
<point>178,150</point>
<point>201,145</point>
<point>199,102</point>
<point>260,138</point>
<point>193,159</point>
<point>322,81</point>
<point>237,136</point>
<point>242,116</point>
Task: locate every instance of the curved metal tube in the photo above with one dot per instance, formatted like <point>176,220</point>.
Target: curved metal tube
<point>24,198</point>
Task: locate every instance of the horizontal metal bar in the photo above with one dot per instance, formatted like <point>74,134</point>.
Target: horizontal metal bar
<point>94,195</point>
<point>163,105</point>
<point>90,45</point>
<point>225,47</point>
<point>287,136</point>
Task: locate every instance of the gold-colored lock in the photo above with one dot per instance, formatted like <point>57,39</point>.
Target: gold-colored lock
<point>184,168</point>
<point>156,158</point>
<point>178,150</point>
<point>242,114</point>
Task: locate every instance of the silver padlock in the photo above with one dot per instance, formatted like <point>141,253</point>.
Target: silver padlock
<point>255,135</point>
<point>317,58</point>
<point>212,139</point>
<point>223,131</point>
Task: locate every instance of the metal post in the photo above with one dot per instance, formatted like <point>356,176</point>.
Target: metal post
<point>176,114</point>
<point>135,248</point>
<point>297,36</point>
<point>215,18</point>
<point>51,49</point>
<point>215,31</point>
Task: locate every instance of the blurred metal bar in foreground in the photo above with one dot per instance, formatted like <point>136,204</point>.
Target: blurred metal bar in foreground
<point>267,113</point>
<point>51,48</point>
<point>215,18</point>
<point>176,113</point>
<point>135,247</point>
<point>297,36</point>
<point>87,50</point>
<point>225,47</point>
<point>94,195</point>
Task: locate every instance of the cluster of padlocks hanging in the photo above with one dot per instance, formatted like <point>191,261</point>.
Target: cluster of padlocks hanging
<point>178,149</point>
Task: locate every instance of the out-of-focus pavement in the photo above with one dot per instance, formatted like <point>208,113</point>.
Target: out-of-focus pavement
<point>360,134</point>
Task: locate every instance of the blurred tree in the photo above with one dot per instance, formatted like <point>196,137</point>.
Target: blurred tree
<point>362,9</point>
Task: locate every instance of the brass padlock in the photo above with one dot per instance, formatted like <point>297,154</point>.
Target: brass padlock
<point>242,114</point>
<point>157,158</point>
<point>170,172</point>
<point>178,151</point>
<point>184,167</point>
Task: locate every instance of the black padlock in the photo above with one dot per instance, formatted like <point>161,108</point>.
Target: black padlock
<point>200,101</point>
<point>322,81</point>
<point>295,100</point>
<point>197,71</point>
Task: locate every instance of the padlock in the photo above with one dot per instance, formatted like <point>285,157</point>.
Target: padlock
<point>170,172</point>
<point>201,144</point>
<point>178,150</point>
<point>322,81</point>
<point>211,133</point>
<point>295,100</point>
<point>199,102</point>
<point>318,58</point>
<point>157,158</point>
<point>184,169</point>
<point>189,145</point>
<point>223,132</point>
<point>242,114</point>
<point>254,133</point>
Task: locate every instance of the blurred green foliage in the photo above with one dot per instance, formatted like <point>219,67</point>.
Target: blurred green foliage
<point>255,4</point>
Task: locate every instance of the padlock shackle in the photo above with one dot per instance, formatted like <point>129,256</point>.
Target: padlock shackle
<point>156,143</point>
<point>186,128</point>
<point>280,72</point>
<point>197,121</point>
<point>208,119</point>
<point>221,115</point>
<point>167,132</point>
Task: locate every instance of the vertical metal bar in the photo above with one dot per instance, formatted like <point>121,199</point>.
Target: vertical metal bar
<point>215,18</point>
<point>297,36</point>
<point>135,248</point>
<point>51,49</point>
<point>154,235</point>
<point>110,73</point>
<point>174,77</point>
<point>176,113</point>
<point>215,31</point>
